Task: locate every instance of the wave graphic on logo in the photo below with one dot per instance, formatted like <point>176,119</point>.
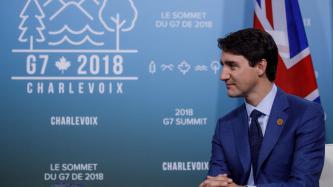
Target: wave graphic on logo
<point>66,38</point>
<point>76,43</point>
<point>68,29</point>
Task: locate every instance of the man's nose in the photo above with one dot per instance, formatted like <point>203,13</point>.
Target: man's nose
<point>224,74</point>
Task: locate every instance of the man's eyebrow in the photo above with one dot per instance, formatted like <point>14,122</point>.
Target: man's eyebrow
<point>228,62</point>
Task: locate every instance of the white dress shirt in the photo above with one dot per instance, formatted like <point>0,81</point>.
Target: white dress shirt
<point>264,107</point>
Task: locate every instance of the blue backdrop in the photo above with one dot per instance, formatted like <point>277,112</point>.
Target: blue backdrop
<point>123,92</point>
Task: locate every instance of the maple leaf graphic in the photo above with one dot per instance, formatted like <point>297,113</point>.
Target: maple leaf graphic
<point>63,64</point>
<point>184,67</point>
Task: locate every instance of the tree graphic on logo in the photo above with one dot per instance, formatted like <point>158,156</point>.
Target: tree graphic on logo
<point>32,15</point>
<point>118,17</point>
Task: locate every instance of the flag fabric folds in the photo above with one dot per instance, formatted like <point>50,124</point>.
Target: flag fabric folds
<point>283,20</point>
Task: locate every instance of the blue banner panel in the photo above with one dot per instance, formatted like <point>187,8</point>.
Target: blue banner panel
<point>122,92</point>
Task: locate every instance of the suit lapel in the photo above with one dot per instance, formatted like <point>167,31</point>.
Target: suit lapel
<point>240,129</point>
<point>275,125</point>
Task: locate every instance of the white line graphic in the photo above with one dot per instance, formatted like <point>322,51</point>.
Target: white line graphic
<point>96,2</point>
<point>67,28</point>
<point>118,21</point>
<point>47,3</point>
<point>134,19</point>
<point>32,78</point>
<point>24,16</point>
<point>65,5</point>
<point>85,39</point>
<point>74,51</point>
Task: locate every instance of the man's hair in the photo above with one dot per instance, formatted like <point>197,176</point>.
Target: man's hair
<point>254,45</point>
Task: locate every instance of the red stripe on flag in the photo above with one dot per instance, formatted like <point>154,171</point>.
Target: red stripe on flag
<point>298,80</point>
<point>269,12</point>
<point>256,23</point>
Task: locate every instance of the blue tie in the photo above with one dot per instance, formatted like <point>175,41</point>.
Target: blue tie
<point>255,139</point>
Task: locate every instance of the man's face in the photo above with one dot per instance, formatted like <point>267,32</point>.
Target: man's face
<point>240,78</point>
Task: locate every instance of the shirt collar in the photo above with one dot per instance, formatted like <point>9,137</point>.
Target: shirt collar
<point>265,104</point>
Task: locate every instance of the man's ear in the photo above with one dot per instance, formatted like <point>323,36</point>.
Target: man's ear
<point>261,67</point>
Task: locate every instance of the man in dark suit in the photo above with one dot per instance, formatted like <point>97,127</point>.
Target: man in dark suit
<point>274,139</point>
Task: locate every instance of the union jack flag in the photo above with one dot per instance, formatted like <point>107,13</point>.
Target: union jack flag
<point>283,20</point>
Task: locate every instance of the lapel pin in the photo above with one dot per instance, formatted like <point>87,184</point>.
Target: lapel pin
<point>279,121</point>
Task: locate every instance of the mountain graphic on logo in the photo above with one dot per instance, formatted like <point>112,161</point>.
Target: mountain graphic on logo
<point>74,22</point>
<point>61,9</point>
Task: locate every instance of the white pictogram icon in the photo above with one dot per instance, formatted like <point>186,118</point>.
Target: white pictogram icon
<point>114,22</point>
<point>201,68</point>
<point>62,64</point>
<point>85,32</point>
<point>215,66</point>
<point>32,13</point>
<point>168,67</point>
<point>184,67</point>
<point>66,34</point>
<point>86,39</point>
<point>89,28</point>
<point>69,4</point>
<point>152,67</point>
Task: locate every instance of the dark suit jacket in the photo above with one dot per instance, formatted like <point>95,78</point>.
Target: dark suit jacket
<point>291,154</point>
